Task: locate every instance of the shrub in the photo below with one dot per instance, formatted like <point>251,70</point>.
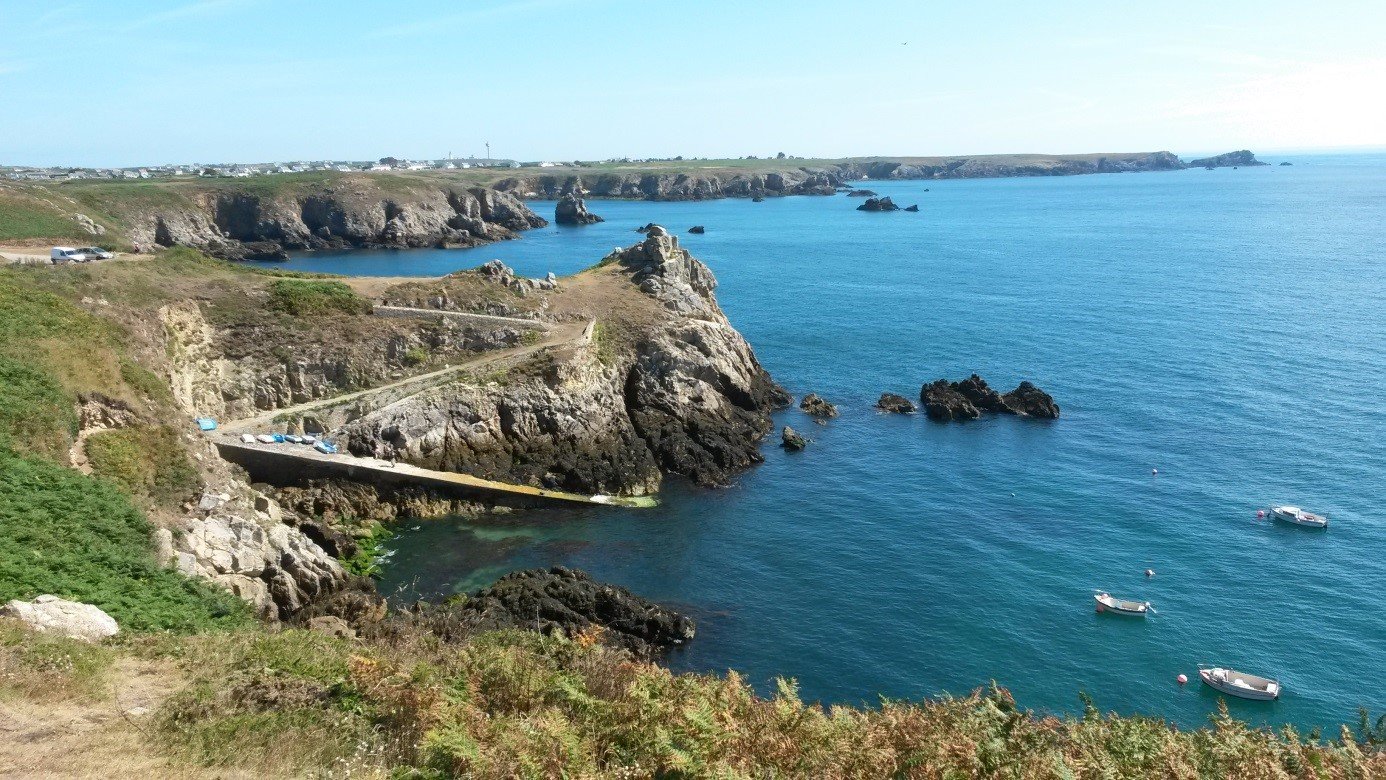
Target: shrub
<point>302,297</point>
<point>416,356</point>
<point>79,538</point>
<point>145,462</point>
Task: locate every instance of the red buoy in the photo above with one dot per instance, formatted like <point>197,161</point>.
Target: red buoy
<point>1182,678</point>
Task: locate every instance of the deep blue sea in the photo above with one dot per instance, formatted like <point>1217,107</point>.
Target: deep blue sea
<point>1227,328</point>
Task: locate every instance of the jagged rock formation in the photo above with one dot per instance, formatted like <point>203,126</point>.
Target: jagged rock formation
<point>878,204</point>
<point>353,212</point>
<point>815,405</point>
<point>791,439</point>
<point>1227,160</point>
<point>967,400</point>
<point>671,387</point>
<point>1031,401</point>
<point>697,229</point>
<point>571,210</point>
<point>914,207</point>
<point>558,601</point>
<point>49,614</point>
<point>897,404</point>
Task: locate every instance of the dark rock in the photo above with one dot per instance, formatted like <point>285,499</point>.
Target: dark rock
<point>559,601</point>
<point>878,204</point>
<point>758,199</point>
<point>646,227</point>
<point>815,405</point>
<point>861,193</point>
<point>572,211</point>
<point>1031,401</point>
<point>1228,160</point>
<point>943,402</point>
<point>915,207</point>
<point>790,439</point>
<point>897,404</point>
<point>976,390</point>
<point>697,229</point>
<point>1286,163</point>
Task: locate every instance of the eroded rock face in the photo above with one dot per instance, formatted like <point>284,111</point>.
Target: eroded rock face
<point>896,404</point>
<point>1228,160</point>
<point>571,210</point>
<point>561,601</point>
<point>51,615</point>
<point>355,212</point>
<point>943,401</point>
<point>680,391</point>
<point>815,405</point>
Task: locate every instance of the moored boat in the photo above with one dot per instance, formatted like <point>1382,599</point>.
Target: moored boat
<point>1297,516</point>
<point>1109,603</point>
<point>1239,684</point>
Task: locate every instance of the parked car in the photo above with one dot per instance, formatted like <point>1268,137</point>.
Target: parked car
<point>67,254</point>
<point>96,253</point>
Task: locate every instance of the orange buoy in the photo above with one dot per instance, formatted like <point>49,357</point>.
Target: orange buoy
<point>1182,678</point>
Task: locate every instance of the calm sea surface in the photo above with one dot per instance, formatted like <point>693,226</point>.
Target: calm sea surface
<point>1227,328</point>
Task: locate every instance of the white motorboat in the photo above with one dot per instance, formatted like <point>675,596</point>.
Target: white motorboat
<point>265,438</point>
<point>1293,514</point>
<point>1240,684</point>
<point>1109,603</point>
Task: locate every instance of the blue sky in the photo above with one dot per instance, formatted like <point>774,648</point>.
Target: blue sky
<point>152,81</point>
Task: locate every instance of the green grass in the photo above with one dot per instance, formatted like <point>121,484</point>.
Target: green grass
<point>304,297</point>
<point>22,219</point>
<point>79,538</point>
<point>146,462</point>
<point>45,668</point>
<point>36,414</point>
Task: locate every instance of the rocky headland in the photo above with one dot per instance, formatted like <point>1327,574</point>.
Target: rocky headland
<point>1236,159</point>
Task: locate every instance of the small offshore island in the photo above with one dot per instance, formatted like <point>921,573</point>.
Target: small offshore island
<point>238,573</point>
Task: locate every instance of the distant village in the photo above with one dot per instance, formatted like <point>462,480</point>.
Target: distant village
<point>242,170</point>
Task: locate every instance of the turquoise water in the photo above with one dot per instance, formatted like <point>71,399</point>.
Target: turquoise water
<point>1225,327</point>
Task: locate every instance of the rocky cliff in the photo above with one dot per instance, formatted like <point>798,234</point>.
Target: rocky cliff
<point>1236,159</point>
<point>658,382</point>
<point>357,211</point>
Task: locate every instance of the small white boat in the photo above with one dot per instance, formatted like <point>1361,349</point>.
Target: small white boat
<point>309,439</point>
<point>1240,684</point>
<point>1109,603</point>
<point>1293,514</point>
<point>265,438</point>
<point>248,438</point>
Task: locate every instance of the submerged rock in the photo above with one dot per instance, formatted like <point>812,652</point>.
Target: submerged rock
<point>878,204</point>
<point>560,601</point>
<point>758,199</point>
<point>571,210</point>
<point>897,404</point>
<point>861,193</point>
<point>73,619</point>
<point>914,207</point>
<point>1029,400</point>
<point>792,439</point>
<point>699,229</point>
<point>815,405</point>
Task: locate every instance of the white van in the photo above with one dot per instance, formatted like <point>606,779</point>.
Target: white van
<point>67,254</point>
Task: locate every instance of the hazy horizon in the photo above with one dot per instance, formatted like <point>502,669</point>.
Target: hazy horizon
<point>182,81</point>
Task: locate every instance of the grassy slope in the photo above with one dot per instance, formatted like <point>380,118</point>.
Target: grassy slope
<point>65,533</point>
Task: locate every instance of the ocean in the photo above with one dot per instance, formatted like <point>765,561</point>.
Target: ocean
<point>1226,328</point>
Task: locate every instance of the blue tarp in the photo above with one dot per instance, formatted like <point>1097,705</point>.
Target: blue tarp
<point>206,424</point>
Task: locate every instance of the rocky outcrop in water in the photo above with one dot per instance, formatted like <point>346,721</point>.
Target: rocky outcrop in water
<point>792,440</point>
<point>878,204</point>
<point>815,405</point>
<point>861,193</point>
<point>969,399</point>
<point>697,230</point>
<point>914,207</point>
<point>1031,401</point>
<point>1243,157</point>
<point>571,210</point>
<point>897,404</point>
<point>559,601</point>
<point>354,211</point>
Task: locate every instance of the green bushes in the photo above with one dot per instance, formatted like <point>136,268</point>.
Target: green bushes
<point>416,356</point>
<point>146,462</point>
<point>519,704</point>
<point>78,538</point>
<point>302,297</point>
<point>36,415</point>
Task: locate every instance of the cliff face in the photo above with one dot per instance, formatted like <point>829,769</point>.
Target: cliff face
<point>356,212</point>
<point>826,179</point>
<point>1228,160</point>
<point>659,382</point>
